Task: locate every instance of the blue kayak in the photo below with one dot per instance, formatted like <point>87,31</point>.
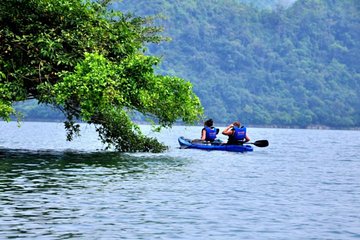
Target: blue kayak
<point>187,143</point>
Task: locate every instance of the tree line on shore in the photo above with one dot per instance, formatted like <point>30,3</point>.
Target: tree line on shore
<point>293,67</point>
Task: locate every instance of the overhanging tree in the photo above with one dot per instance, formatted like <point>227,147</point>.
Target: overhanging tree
<point>89,62</point>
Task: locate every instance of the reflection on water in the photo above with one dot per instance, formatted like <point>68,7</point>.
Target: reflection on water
<point>303,186</point>
<point>49,164</point>
<point>61,194</point>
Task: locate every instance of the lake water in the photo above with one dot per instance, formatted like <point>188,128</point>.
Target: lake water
<point>305,185</point>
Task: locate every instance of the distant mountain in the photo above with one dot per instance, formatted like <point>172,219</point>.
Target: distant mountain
<point>31,110</point>
<point>158,6</point>
<point>268,4</point>
<point>295,66</point>
<point>261,63</point>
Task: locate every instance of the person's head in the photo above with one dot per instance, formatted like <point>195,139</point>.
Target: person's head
<point>236,124</point>
<point>209,123</point>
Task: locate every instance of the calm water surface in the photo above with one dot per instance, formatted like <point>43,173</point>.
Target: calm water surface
<point>305,185</point>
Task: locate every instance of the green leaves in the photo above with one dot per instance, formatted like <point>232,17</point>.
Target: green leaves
<point>92,86</point>
<point>120,132</point>
<point>98,86</point>
<point>8,92</point>
<point>6,110</point>
<point>169,98</point>
<point>88,62</point>
<point>265,66</point>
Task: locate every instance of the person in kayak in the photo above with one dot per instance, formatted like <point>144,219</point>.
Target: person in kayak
<point>237,135</point>
<point>209,132</point>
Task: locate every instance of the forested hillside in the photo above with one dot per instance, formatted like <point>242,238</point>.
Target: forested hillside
<point>264,64</point>
<point>294,66</point>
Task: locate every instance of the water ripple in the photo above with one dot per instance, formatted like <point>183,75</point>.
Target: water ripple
<point>300,187</point>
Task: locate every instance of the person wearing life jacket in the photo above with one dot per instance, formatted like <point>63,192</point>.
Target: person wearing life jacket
<point>209,132</point>
<point>237,135</point>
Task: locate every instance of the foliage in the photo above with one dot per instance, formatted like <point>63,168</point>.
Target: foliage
<point>295,66</point>
<point>89,62</point>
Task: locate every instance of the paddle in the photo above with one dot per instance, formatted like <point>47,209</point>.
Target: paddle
<point>259,143</point>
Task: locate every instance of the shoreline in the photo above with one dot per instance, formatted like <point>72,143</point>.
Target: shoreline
<point>310,127</point>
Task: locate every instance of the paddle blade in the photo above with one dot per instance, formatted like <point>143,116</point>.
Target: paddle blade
<point>261,143</point>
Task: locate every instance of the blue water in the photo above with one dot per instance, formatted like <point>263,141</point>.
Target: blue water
<point>305,185</point>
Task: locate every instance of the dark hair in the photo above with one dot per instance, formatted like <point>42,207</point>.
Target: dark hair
<point>209,122</point>
<point>237,124</point>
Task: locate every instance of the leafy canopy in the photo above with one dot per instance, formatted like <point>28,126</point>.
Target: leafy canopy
<point>293,67</point>
<point>89,62</point>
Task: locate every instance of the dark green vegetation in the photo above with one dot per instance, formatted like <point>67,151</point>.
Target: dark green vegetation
<point>297,66</point>
<point>89,63</point>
